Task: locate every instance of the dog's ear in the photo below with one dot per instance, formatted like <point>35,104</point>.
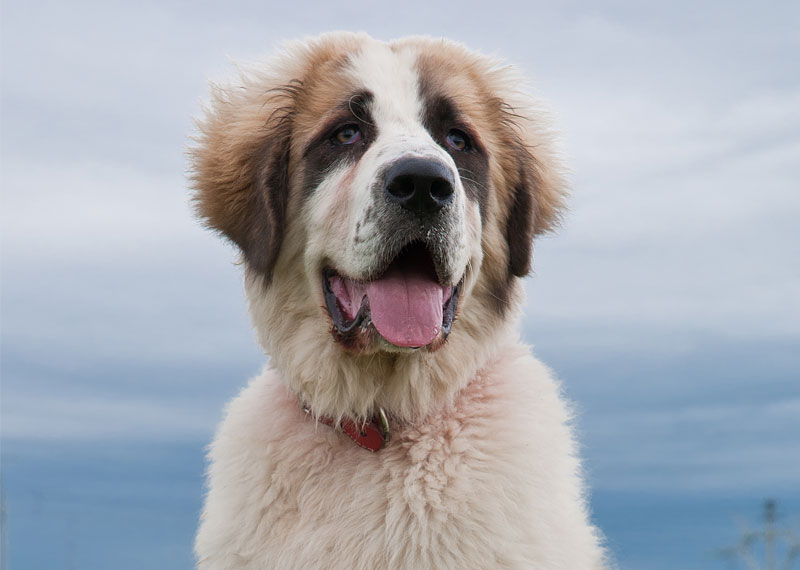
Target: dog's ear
<point>241,168</point>
<point>539,192</point>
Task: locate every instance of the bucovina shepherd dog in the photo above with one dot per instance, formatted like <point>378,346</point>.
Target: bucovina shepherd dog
<point>385,197</point>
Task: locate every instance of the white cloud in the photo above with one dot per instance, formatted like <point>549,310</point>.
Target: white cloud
<point>64,417</point>
<point>688,221</point>
<point>87,208</point>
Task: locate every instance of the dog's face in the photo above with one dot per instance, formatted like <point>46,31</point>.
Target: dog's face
<point>385,198</point>
<point>394,177</point>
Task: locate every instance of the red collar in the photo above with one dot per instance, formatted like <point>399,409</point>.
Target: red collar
<point>372,435</point>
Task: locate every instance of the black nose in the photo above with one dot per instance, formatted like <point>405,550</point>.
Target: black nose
<point>420,185</point>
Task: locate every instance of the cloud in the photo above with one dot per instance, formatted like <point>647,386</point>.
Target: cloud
<point>718,448</point>
<point>686,220</point>
<point>61,417</point>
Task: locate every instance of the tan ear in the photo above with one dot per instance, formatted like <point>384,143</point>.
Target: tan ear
<point>539,191</point>
<point>536,209</point>
<point>241,164</point>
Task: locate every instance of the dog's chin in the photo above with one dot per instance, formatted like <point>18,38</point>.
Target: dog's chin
<point>403,309</point>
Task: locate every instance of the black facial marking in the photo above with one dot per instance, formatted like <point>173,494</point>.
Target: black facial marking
<point>324,152</point>
<point>441,117</point>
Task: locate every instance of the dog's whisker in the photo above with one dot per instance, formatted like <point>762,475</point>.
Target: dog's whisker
<point>460,170</point>
<point>359,103</point>
<point>474,182</point>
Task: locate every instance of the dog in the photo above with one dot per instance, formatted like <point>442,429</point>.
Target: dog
<point>385,197</point>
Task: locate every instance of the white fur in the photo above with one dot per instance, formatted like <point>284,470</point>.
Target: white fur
<point>490,481</point>
<point>397,113</point>
<point>481,471</point>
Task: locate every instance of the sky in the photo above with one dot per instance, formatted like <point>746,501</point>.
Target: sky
<point>668,304</point>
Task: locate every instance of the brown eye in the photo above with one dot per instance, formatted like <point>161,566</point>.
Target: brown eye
<point>458,140</point>
<point>347,134</point>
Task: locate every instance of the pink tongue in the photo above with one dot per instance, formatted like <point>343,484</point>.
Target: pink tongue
<point>406,307</point>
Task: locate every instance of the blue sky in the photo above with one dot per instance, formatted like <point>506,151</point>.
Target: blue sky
<point>668,304</point>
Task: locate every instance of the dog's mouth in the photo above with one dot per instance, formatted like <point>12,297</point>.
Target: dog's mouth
<point>406,304</point>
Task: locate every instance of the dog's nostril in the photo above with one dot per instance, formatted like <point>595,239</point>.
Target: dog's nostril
<point>401,187</point>
<point>422,186</point>
<point>441,190</point>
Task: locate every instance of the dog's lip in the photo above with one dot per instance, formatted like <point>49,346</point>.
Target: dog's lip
<point>348,304</point>
<point>340,320</point>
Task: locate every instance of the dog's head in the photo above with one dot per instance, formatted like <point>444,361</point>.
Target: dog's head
<point>385,198</point>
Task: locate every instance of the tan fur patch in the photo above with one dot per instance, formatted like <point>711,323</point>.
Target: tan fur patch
<point>253,128</point>
<point>527,187</point>
<point>265,121</point>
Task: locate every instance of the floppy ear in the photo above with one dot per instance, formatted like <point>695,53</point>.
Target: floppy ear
<point>241,169</point>
<point>538,199</point>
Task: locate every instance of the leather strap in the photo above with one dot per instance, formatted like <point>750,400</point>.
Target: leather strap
<point>371,435</point>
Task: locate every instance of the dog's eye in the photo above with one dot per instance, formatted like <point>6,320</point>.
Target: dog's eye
<point>458,140</point>
<point>347,134</point>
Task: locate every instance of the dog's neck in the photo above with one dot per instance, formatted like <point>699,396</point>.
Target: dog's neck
<point>406,386</point>
<point>338,384</point>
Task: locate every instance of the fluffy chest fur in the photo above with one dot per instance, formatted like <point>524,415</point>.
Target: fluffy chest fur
<point>489,482</point>
<point>385,197</point>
